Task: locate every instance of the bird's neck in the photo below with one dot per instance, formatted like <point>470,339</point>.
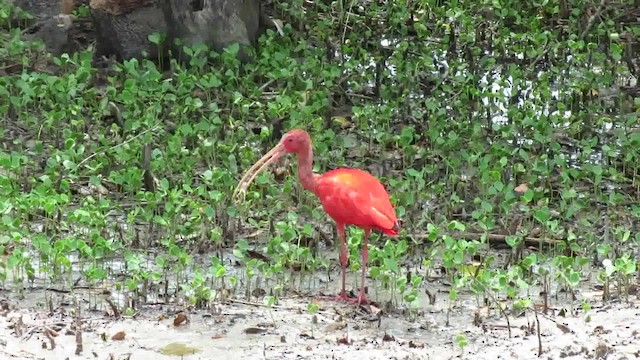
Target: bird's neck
<point>305,169</point>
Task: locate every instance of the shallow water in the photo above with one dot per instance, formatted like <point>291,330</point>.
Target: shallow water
<point>338,330</point>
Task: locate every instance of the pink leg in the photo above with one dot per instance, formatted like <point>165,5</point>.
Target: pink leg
<point>344,257</point>
<point>365,258</point>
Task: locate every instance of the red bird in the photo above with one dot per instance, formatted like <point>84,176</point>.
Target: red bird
<point>349,196</point>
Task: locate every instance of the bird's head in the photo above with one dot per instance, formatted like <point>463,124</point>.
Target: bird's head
<point>295,141</point>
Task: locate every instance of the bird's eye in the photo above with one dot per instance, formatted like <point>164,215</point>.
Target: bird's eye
<point>289,139</point>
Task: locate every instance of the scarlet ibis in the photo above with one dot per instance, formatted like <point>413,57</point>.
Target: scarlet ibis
<point>350,196</point>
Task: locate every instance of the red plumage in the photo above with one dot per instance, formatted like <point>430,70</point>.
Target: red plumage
<point>355,197</point>
<point>349,196</point>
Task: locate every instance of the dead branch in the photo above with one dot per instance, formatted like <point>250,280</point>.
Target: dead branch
<point>50,334</point>
<point>592,20</point>
<point>495,238</point>
<point>78,327</point>
<point>113,307</point>
<point>535,311</point>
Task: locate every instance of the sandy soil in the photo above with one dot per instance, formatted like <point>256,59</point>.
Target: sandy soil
<point>238,330</point>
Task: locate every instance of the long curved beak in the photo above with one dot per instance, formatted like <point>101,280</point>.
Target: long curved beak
<point>269,158</point>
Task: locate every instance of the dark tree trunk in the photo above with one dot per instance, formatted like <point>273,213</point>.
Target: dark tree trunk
<point>215,23</point>
<point>123,29</point>
<point>123,26</point>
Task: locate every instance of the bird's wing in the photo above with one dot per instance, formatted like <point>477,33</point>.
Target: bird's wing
<point>354,196</point>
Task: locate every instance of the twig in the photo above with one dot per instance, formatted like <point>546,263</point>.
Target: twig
<point>494,238</point>
<point>592,20</point>
<point>544,53</point>
<point>78,327</point>
<point>22,355</point>
<point>64,291</point>
<point>50,334</point>
<point>501,310</point>
<point>496,326</point>
<point>28,335</point>
<point>327,239</point>
<point>535,311</point>
<point>154,127</point>
<point>346,25</point>
<point>114,308</point>
<point>19,326</point>
<point>279,307</point>
<point>359,95</point>
<point>267,84</point>
<point>150,181</point>
<point>562,327</point>
<point>635,71</point>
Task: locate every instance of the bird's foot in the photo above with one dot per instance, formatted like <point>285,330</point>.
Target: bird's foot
<point>342,297</point>
<point>361,299</point>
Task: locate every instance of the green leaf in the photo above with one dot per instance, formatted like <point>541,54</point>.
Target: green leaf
<point>574,278</point>
<point>542,215</point>
<point>528,195</point>
<point>209,212</point>
<point>392,265</point>
<point>238,253</point>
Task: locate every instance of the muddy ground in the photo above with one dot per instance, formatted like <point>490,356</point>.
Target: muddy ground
<point>237,329</point>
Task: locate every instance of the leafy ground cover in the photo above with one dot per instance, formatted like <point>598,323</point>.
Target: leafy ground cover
<point>507,134</point>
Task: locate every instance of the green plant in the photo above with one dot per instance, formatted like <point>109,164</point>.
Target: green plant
<point>485,132</point>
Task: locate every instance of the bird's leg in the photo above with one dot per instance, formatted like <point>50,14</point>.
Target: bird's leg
<point>344,257</point>
<point>365,258</point>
